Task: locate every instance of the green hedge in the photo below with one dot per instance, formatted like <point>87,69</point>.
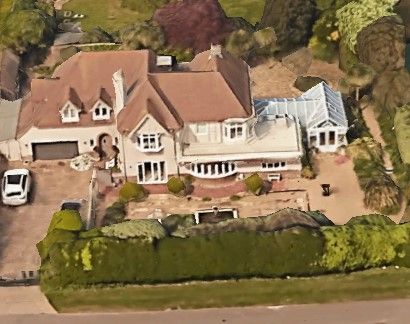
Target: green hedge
<point>227,255</point>
<point>176,186</point>
<point>114,214</point>
<point>67,219</point>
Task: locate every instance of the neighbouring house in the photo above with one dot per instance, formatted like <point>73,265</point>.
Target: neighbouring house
<point>152,121</point>
<point>9,75</point>
<point>9,115</point>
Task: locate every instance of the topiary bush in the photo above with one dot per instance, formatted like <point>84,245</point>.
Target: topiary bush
<point>254,184</point>
<point>69,220</point>
<point>176,186</point>
<point>132,191</point>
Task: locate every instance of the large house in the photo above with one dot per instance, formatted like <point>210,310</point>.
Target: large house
<point>152,118</point>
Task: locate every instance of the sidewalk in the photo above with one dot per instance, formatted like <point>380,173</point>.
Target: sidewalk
<point>24,300</point>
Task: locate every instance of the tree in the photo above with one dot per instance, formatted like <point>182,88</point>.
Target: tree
<point>382,44</point>
<point>240,43</point>
<point>142,35</point>
<point>96,35</point>
<point>382,194</point>
<point>359,76</point>
<point>356,15</point>
<point>27,28</point>
<point>292,21</point>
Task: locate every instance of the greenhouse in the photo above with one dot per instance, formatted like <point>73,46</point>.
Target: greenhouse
<point>320,111</point>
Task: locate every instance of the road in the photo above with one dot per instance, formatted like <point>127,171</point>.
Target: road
<point>374,312</point>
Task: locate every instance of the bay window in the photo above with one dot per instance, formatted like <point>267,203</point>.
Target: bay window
<point>149,142</point>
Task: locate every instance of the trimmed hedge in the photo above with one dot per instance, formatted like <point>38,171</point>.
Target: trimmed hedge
<point>227,255</point>
<point>372,219</point>
<point>69,220</point>
<point>148,229</point>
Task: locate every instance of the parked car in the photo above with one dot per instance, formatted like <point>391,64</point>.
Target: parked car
<point>15,187</point>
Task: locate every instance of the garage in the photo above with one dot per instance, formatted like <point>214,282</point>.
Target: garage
<point>54,151</point>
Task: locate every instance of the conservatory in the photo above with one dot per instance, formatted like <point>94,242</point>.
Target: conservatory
<point>320,112</point>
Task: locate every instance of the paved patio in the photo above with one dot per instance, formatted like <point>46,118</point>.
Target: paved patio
<point>159,205</point>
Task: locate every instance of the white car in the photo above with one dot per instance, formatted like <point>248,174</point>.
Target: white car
<point>15,187</point>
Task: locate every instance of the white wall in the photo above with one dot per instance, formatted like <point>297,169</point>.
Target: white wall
<point>133,155</point>
<point>11,150</point>
<point>49,135</point>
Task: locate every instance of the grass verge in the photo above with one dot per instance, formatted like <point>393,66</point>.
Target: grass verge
<point>365,285</point>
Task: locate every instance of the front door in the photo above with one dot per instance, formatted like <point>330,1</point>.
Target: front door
<point>151,172</point>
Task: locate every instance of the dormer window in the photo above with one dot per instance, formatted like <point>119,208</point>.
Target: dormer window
<point>70,113</point>
<point>101,111</point>
<point>234,131</point>
<point>149,142</point>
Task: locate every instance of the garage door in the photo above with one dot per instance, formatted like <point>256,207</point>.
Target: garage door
<point>55,151</point>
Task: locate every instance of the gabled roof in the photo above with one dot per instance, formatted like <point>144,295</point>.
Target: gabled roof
<point>211,89</point>
<point>318,105</point>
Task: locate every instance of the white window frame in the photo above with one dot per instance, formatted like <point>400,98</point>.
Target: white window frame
<point>157,167</point>
<point>144,143</point>
<point>233,128</point>
<point>70,113</point>
<point>97,111</point>
<point>277,165</point>
<point>204,131</point>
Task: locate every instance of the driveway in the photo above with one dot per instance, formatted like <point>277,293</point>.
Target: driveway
<point>22,227</point>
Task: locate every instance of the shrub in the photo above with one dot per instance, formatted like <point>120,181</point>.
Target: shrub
<point>176,222</point>
<point>176,186</point>
<point>114,214</point>
<point>357,247</point>
<point>69,220</point>
<point>206,198</point>
<point>149,229</point>
<point>307,172</point>
<point>304,83</point>
<point>402,130</point>
<point>235,198</point>
<point>254,184</point>
<point>372,219</point>
<point>382,194</point>
<point>132,191</point>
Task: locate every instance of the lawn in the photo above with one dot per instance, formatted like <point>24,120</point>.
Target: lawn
<point>251,10</point>
<point>107,14</point>
<point>366,285</point>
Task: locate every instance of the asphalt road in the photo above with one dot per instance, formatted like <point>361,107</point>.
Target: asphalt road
<point>375,312</point>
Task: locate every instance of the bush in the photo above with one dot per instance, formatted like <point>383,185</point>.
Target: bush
<point>206,198</point>
<point>254,184</point>
<point>114,214</point>
<point>372,219</point>
<point>304,83</point>
<point>307,172</point>
<point>69,220</point>
<point>176,186</point>
<point>358,247</point>
<point>132,191</point>
<point>149,229</point>
<point>176,222</point>
<point>235,198</point>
